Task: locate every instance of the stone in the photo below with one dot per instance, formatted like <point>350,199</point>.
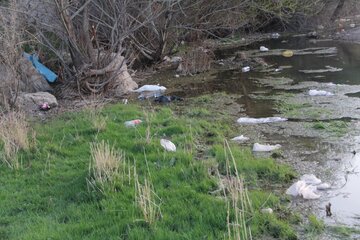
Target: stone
<point>32,101</point>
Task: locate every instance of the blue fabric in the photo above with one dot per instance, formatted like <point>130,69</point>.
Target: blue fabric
<point>49,75</point>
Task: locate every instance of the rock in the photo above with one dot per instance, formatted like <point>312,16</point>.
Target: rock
<point>33,81</point>
<point>32,101</point>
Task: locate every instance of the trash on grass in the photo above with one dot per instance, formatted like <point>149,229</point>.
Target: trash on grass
<point>266,211</point>
<point>133,123</point>
<point>240,138</point>
<point>314,92</point>
<point>167,99</point>
<point>168,145</point>
<point>148,91</point>
<point>265,148</point>
<point>49,75</point>
<point>245,69</point>
<point>247,120</point>
<point>275,35</point>
<point>263,49</point>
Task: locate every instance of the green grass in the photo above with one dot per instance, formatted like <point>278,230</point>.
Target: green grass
<point>339,128</point>
<point>50,197</point>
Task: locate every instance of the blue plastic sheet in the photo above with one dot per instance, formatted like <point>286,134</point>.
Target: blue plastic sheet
<point>49,75</point>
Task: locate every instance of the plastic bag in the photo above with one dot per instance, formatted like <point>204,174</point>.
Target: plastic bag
<point>265,148</point>
<point>247,120</point>
<point>168,145</point>
<point>240,138</point>
<point>314,92</point>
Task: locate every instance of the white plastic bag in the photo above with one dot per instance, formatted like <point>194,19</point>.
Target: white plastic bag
<point>150,88</point>
<point>247,120</point>
<point>265,148</point>
<point>323,186</point>
<point>314,92</point>
<point>168,145</point>
<point>310,179</point>
<point>240,138</point>
<point>263,49</point>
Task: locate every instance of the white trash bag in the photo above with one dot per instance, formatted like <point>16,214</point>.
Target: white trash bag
<point>240,138</point>
<point>265,148</point>
<point>314,92</point>
<point>248,120</point>
<point>310,179</point>
<point>168,145</point>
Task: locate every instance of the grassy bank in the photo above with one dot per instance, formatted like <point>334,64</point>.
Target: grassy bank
<point>207,189</point>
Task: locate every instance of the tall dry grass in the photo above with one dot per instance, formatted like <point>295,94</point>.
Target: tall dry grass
<point>238,201</point>
<point>11,41</point>
<point>106,163</point>
<point>147,200</point>
<point>14,135</point>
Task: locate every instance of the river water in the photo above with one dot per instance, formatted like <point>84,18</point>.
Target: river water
<point>331,154</point>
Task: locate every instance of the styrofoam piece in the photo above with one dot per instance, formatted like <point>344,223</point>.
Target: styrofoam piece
<point>265,148</point>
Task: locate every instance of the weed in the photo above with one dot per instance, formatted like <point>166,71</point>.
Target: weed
<point>147,199</point>
<point>338,128</point>
<point>315,225</point>
<point>106,163</point>
<point>14,133</point>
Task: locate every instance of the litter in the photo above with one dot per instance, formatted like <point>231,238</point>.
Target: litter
<point>327,69</point>
<point>310,179</point>
<point>266,211</point>
<point>49,75</point>
<point>275,35</point>
<point>44,107</point>
<point>314,92</point>
<point>300,188</point>
<point>150,88</point>
<point>323,186</point>
<point>265,148</point>
<point>167,99</point>
<point>133,123</point>
<point>247,120</point>
<point>245,69</point>
<point>149,91</point>
<point>263,49</point>
<point>240,139</point>
<point>287,53</point>
<point>168,145</point>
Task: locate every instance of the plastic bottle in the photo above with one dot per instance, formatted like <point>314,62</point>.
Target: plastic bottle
<point>132,123</point>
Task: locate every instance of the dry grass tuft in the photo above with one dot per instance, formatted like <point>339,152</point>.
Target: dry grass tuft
<point>147,199</point>
<point>97,120</point>
<point>238,201</point>
<point>14,134</point>
<point>106,163</point>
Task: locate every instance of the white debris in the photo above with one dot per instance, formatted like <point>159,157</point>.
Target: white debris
<point>247,120</point>
<point>300,188</point>
<point>265,148</point>
<point>263,49</point>
<point>310,179</point>
<point>240,138</point>
<point>168,145</point>
<point>275,35</point>
<point>352,25</point>
<point>150,88</point>
<point>245,69</point>
<point>314,92</point>
<point>266,211</point>
<point>327,69</point>
<point>177,75</point>
<point>323,186</point>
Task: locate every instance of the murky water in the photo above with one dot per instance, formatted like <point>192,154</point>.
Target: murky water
<point>327,154</point>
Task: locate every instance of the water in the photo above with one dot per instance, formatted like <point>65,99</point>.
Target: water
<point>324,153</point>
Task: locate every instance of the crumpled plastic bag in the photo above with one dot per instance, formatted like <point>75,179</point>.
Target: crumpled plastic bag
<point>300,188</point>
<point>247,120</point>
<point>168,145</point>
<point>265,148</point>
<point>240,138</point>
<point>310,179</point>
<point>314,92</point>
